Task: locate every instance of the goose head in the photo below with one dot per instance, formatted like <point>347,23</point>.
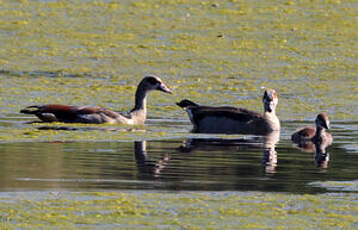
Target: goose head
<point>186,103</point>
<point>270,100</point>
<point>322,120</point>
<point>152,82</point>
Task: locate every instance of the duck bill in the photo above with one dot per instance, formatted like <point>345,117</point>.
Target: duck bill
<point>269,106</point>
<point>164,89</point>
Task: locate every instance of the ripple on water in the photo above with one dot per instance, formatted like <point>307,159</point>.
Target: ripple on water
<point>174,161</point>
<point>337,186</point>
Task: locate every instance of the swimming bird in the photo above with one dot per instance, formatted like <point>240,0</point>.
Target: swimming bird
<point>314,134</point>
<point>98,115</point>
<point>227,119</point>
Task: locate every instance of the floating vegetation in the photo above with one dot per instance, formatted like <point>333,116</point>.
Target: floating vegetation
<point>305,50</point>
<point>200,210</point>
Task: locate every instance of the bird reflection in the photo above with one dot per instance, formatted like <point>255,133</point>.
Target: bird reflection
<point>319,148</point>
<point>209,144</point>
<point>146,166</point>
<point>269,158</point>
<point>321,156</point>
<point>269,141</point>
<point>307,146</point>
<point>310,146</point>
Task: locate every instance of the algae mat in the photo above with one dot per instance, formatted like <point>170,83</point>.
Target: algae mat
<point>217,210</point>
<point>95,52</point>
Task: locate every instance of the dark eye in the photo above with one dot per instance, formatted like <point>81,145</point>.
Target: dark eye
<point>152,80</point>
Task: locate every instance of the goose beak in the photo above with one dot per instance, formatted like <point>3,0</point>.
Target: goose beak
<point>268,107</point>
<point>164,88</point>
<point>326,125</point>
<point>268,104</point>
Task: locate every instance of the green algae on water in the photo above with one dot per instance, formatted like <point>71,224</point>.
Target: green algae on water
<point>95,53</point>
<point>199,210</point>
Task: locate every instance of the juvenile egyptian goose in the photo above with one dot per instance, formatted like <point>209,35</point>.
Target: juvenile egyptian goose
<point>97,115</point>
<point>226,119</point>
<point>314,134</point>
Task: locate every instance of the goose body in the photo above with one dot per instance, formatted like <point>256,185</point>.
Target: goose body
<point>226,119</point>
<point>98,115</point>
<point>316,134</point>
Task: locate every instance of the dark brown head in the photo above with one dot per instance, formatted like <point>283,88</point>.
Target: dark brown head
<point>152,82</point>
<point>322,120</point>
<point>270,100</point>
<point>185,103</point>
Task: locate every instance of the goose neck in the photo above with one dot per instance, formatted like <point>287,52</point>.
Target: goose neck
<point>140,99</point>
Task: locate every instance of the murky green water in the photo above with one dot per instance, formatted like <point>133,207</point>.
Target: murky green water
<point>234,163</point>
<point>195,183</point>
<point>218,53</point>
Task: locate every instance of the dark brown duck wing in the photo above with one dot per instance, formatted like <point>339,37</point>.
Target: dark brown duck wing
<point>51,112</point>
<point>96,110</point>
<point>238,114</point>
<point>70,114</point>
<point>303,134</point>
<point>227,120</point>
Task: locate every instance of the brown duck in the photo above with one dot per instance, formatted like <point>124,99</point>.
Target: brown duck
<point>316,134</point>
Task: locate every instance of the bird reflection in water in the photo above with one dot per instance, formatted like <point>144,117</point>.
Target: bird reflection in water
<point>269,141</point>
<point>319,148</point>
<point>145,166</point>
<point>269,158</point>
<point>321,156</point>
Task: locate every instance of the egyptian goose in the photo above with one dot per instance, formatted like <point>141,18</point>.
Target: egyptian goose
<point>97,115</point>
<point>226,119</point>
<point>314,134</point>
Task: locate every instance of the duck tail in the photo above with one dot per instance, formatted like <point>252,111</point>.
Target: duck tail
<point>33,109</point>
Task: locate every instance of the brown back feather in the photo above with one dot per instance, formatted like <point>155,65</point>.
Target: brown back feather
<point>240,114</point>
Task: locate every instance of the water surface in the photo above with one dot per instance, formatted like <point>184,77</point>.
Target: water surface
<point>201,162</point>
